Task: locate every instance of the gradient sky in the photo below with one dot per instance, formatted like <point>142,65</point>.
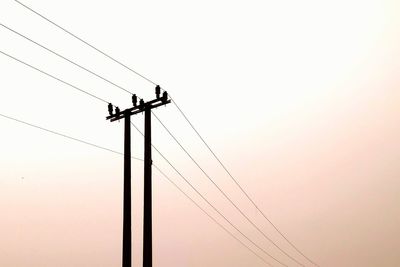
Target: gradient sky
<point>299,98</point>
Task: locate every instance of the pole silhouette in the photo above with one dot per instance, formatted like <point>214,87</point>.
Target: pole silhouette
<point>147,199</point>
<point>127,217</point>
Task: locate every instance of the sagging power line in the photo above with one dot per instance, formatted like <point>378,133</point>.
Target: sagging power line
<point>226,196</point>
<point>213,206</point>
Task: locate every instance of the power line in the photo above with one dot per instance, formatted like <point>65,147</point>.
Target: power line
<point>211,216</point>
<point>237,183</point>
<point>65,58</point>
<point>211,205</point>
<point>185,117</point>
<point>152,146</point>
<point>53,77</point>
<point>65,136</point>
<point>155,166</point>
<point>85,42</point>
<point>255,205</point>
<point>224,194</point>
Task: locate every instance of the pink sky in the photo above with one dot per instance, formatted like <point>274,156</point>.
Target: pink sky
<point>318,150</point>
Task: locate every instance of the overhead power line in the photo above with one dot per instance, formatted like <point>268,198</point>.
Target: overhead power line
<point>64,135</point>
<point>185,117</point>
<point>224,194</point>
<point>239,186</point>
<point>208,202</point>
<point>155,166</point>
<point>211,216</point>
<point>85,42</point>
<point>62,81</point>
<point>53,77</point>
<point>64,58</point>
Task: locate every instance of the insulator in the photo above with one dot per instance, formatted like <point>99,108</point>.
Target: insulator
<point>158,91</point>
<point>134,100</point>
<point>110,109</point>
<point>165,96</point>
<point>117,111</point>
<point>141,102</point>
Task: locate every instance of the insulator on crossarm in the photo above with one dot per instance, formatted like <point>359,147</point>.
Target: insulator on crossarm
<point>141,103</point>
<point>134,100</point>
<point>165,96</point>
<point>117,111</point>
<point>158,91</point>
<point>110,109</point>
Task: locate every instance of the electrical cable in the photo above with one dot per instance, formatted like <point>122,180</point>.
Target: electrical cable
<point>85,42</point>
<point>202,196</point>
<point>210,215</point>
<point>53,77</point>
<point>65,58</point>
<point>224,194</point>
<point>65,136</point>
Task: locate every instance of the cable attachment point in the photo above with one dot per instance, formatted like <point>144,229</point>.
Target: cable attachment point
<point>158,91</point>
<point>134,100</point>
<point>165,96</point>
<point>110,109</point>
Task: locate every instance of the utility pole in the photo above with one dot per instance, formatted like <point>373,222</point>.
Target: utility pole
<point>147,210</point>
<point>147,205</point>
<point>126,229</point>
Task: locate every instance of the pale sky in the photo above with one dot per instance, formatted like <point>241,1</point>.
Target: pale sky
<point>300,99</point>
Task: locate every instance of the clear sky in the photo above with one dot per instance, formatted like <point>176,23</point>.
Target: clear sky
<point>300,99</point>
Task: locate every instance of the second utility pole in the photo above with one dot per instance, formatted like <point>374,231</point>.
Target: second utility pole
<point>147,205</point>
<point>147,208</point>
